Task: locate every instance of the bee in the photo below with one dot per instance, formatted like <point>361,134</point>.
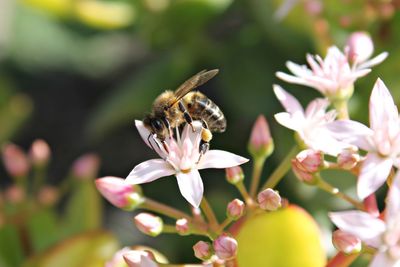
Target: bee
<point>172,109</point>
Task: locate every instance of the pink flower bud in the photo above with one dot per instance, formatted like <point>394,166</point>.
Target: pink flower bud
<point>202,250</point>
<point>261,143</point>
<point>360,47</point>
<point>15,161</point>
<point>140,258</point>
<point>39,152</point>
<point>348,159</point>
<point>48,195</point>
<point>182,226</point>
<point>120,193</point>
<point>86,166</point>
<point>118,260</point>
<point>300,174</point>
<point>310,160</point>
<point>235,209</point>
<point>346,242</point>
<point>15,194</point>
<point>234,174</point>
<point>149,224</point>
<point>269,199</point>
<point>225,247</point>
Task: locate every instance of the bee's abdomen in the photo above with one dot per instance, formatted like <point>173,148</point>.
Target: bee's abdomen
<point>201,107</point>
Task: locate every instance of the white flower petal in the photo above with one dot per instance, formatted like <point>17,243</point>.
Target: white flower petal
<point>149,170</point>
<point>374,61</point>
<point>351,132</point>
<point>374,172</point>
<point>147,137</point>
<point>360,224</point>
<point>382,110</point>
<point>393,199</point>
<point>292,79</point>
<point>316,107</point>
<point>382,259</point>
<point>285,119</point>
<point>298,70</point>
<point>193,136</point>
<point>143,131</point>
<point>191,187</point>
<point>220,159</point>
<point>290,104</point>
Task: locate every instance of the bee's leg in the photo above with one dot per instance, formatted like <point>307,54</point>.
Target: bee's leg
<point>186,115</point>
<point>206,137</point>
<point>166,122</point>
<point>154,136</point>
<point>203,148</point>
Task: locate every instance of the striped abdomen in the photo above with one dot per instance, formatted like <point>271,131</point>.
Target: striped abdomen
<point>201,107</point>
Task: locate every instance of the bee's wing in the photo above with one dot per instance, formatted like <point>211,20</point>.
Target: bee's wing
<point>195,81</point>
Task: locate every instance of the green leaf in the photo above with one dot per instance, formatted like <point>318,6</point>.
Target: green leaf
<point>11,252</point>
<point>84,209</point>
<point>91,249</point>
<point>43,230</point>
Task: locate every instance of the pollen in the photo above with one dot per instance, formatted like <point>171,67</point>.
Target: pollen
<point>186,170</point>
<point>206,135</point>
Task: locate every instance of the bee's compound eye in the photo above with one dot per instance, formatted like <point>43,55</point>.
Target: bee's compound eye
<point>156,124</point>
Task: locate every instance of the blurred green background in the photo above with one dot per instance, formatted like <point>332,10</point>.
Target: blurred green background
<point>77,73</point>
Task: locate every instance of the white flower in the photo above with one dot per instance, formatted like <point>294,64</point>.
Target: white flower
<point>381,140</point>
<point>384,235</point>
<point>310,124</point>
<point>181,160</point>
<point>332,76</point>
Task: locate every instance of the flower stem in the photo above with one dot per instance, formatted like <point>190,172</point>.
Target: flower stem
<point>224,224</point>
<point>169,229</point>
<point>281,170</point>
<point>335,191</point>
<point>209,213</point>
<point>342,109</point>
<point>169,211</point>
<point>342,260</point>
<point>258,164</point>
<point>242,189</point>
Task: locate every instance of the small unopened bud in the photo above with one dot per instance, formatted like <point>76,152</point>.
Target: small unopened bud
<point>346,242</point>
<point>120,193</point>
<point>261,144</point>
<point>303,176</point>
<point>182,226</point>
<point>310,160</point>
<point>39,153</point>
<point>234,174</point>
<point>48,195</point>
<point>140,258</point>
<point>15,194</point>
<point>235,209</point>
<point>306,163</point>
<point>360,47</point>
<point>149,224</point>
<point>225,247</point>
<point>348,159</point>
<point>86,166</point>
<point>118,259</point>
<point>202,250</point>
<point>269,199</point>
<point>15,161</point>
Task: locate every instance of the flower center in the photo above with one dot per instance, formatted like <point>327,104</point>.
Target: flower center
<point>186,170</point>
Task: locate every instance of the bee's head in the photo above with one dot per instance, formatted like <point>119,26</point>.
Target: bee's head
<point>156,126</point>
